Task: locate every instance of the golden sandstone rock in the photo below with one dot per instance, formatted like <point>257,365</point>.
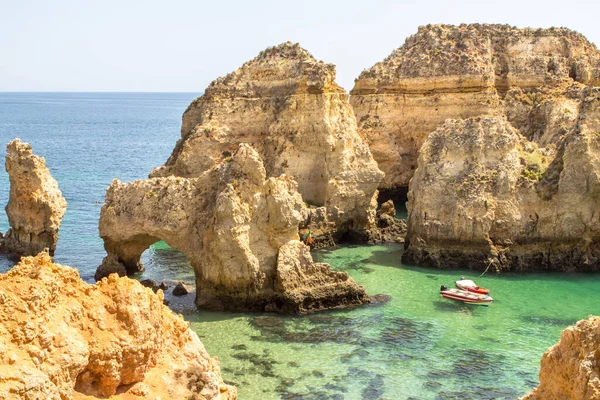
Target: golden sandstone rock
<point>35,207</point>
<point>497,127</point>
<point>447,71</point>
<point>289,108</point>
<point>569,369</point>
<point>61,338</point>
<point>238,228</point>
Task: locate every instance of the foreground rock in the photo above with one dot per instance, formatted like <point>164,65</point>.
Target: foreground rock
<point>446,71</point>
<point>35,207</point>
<point>289,108</point>
<point>569,369</point>
<point>61,338</point>
<point>238,229</point>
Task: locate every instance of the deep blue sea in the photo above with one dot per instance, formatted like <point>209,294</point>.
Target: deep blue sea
<point>416,346</point>
<point>88,139</point>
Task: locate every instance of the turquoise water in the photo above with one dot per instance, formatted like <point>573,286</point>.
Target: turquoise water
<point>416,346</point>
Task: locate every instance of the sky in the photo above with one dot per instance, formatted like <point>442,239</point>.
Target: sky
<point>182,45</point>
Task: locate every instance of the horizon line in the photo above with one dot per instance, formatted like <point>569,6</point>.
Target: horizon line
<point>92,91</point>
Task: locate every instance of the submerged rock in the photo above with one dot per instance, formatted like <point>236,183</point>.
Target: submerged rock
<point>180,289</point>
<point>239,231</point>
<point>62,338</point>
<point>289,108</point>
<point>447,71</point>
<point>569,369</point>
<point>35,207</point>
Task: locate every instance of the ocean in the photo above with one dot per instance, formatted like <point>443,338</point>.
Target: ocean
<point>416,346</point>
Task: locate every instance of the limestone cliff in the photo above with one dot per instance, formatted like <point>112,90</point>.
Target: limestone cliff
<point>288,107</point>
<point>35,207</point>
<point>238,228</point>
<point>61,338</point>
<point>570,368</point>
<point>446,71</point>
<point>483,195</point>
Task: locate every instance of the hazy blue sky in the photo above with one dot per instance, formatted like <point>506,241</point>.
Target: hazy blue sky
<point>182,45</point>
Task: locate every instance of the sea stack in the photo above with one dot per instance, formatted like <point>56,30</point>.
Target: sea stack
<point>239,230</point>
<point>288,107</point>
<point>61,338</point>
<point>447,71</point>
<point>35,207</point>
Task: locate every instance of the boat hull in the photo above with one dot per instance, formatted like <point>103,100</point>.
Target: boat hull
<point>471,288</point>
<point>466,297</point>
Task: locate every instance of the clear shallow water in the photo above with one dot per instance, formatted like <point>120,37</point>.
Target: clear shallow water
<point>418,345</point>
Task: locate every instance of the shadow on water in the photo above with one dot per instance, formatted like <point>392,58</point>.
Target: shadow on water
<point>453,306</point>
<point>7,262</point>
<point>390,258</point>
<point>535,319</point>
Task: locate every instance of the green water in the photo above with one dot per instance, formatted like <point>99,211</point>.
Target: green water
<point>416,346</point>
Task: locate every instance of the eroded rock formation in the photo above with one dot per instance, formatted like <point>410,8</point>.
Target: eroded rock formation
<point>61,338</point>
<point>569,369</point>
<point>483,195</point>
<point>288,107</point>
<point>35,207</point>
<point>238,228</point>
<point>446,71</point>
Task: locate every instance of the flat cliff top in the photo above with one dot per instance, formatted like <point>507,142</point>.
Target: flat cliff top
<point>479,49</point>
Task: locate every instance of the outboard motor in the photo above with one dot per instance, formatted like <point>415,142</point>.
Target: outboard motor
<point>443,287</point>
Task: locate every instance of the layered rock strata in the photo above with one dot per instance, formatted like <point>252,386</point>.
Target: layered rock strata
<point>446,71</point>
<point>239,230</point>
<point>288,107</point>
<point>483,196</point>
<point>35,206</point>
<point>61,338</point>
<point>569,369</point>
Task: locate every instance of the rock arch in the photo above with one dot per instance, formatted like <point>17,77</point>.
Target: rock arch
<point>239,231</point>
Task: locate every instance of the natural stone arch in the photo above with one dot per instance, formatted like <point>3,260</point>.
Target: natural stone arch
<point>239,231</point>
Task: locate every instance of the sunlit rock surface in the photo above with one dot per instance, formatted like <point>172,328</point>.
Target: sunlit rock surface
<point>35,206</point>
<point>61,338</point>
<point>483,196</point>
<point>239,230</point>
<point>288,107</point>
<point>569,369</point>
<point>447,71</point>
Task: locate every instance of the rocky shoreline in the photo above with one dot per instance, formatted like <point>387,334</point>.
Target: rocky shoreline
<point>491,132</point>
<point>61,338</point>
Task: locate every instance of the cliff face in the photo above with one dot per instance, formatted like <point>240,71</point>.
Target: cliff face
<point>569,369</point>
<point>35,207</point>
<point>483,195</point>
<point>61,338</point>
<point>287,106</point>
<point>446,71</point>
<point>238,228</point>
